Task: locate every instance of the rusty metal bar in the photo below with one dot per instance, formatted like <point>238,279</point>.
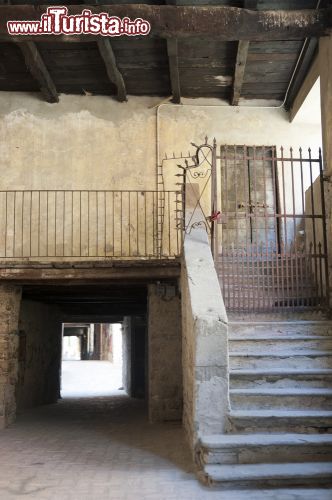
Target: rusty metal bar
<point>324,229</point>
<point>302,266</point>
<point>294,263</point>
<point>246,298</point>
<point>313,213</point>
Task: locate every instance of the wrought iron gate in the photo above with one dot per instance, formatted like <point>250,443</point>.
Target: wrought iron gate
<point>265,212</point>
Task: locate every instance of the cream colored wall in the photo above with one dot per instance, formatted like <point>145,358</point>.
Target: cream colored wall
<point>80,143</point>
<point>180,125</point>
<point>91,142</point>
<point>96,143</point>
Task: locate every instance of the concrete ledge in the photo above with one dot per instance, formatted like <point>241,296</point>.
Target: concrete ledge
<point>205,346</point>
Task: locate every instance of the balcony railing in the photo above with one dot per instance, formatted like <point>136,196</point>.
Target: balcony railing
<point>85,224</point>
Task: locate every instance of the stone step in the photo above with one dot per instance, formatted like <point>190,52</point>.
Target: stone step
<point>280,342</point>
<point>305,359</point>
<point>263,328</point>
<point>269,475</point>
<point>302,421</point>
<point>260,448</point>
<point>289,398</point>
<point>279,378</point>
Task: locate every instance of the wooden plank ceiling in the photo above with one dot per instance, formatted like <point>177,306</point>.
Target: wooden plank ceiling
<point>186,67</point>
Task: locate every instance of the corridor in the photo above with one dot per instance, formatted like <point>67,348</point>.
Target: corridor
<point>104,448</point>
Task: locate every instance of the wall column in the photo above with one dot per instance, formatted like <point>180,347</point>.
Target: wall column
<point>10,301</point>
<point>165,353</point>
<point>325,71</point>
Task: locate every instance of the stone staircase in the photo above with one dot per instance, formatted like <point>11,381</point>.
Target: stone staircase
<point>280,424</point>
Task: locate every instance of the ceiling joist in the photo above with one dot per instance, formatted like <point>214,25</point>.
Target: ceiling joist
<point>108,56</point>
<point>38,70</point>
<point>172,50</point>
<point>241,60</point>
<point>308,55</point>
<point>305,88</point>
<point>211,22</point>
<point>240,65</point>
<point>106,52</point>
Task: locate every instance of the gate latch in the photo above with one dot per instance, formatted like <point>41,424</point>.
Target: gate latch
<point>253,205</point>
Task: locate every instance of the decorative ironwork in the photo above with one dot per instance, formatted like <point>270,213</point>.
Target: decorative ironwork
<point>265,215</point>
<point>200,213</point>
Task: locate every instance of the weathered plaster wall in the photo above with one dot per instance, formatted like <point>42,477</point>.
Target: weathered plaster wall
<point>10,301</point>
<point>165,353</point>
<point>204,346</point>
<point>40,355</point>
<point>91,142</point>
<point>81,143</point>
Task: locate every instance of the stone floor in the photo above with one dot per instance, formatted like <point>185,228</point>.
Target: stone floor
<point>104,448</point>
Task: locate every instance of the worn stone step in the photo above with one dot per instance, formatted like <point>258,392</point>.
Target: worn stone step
<point>262,328</point>
<point>279,378</point>
<point>302,421</point>
<point>260,448</point>
<point>268,474</point>
<point>305,359</point>
<point>280,342</point>
<point>288,398</point>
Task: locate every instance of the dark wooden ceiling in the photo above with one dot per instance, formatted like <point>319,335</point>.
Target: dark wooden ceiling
<point>206,68</point>
<point>84,300</point>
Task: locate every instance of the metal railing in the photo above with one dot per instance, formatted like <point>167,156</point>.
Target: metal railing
<point>273,250</point>
<point>264,210</point>
<point>79,224</point>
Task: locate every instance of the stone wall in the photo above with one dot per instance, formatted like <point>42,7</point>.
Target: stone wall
<point>10,299</point>
<point>165,351</point>
<point>325,67</point>
<point>126,354</point>
<point>106,343</point>
<point>40,355</point>
<point>314,193</point>
<point>205,347</point>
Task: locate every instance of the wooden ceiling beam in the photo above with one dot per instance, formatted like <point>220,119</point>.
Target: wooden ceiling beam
<point>305,88</point>
<point>241,60</point>
<point>172,51</point>
<point>240,66</point>
<point>173,62</point>
<point>90,276</point>
<point>308,55</point>
<point>106,52</point>
<point>108,56</point>
<point>38,70</point>
<point>169,21</point>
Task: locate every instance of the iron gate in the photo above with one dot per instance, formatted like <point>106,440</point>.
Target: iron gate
<point>265,212</point>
